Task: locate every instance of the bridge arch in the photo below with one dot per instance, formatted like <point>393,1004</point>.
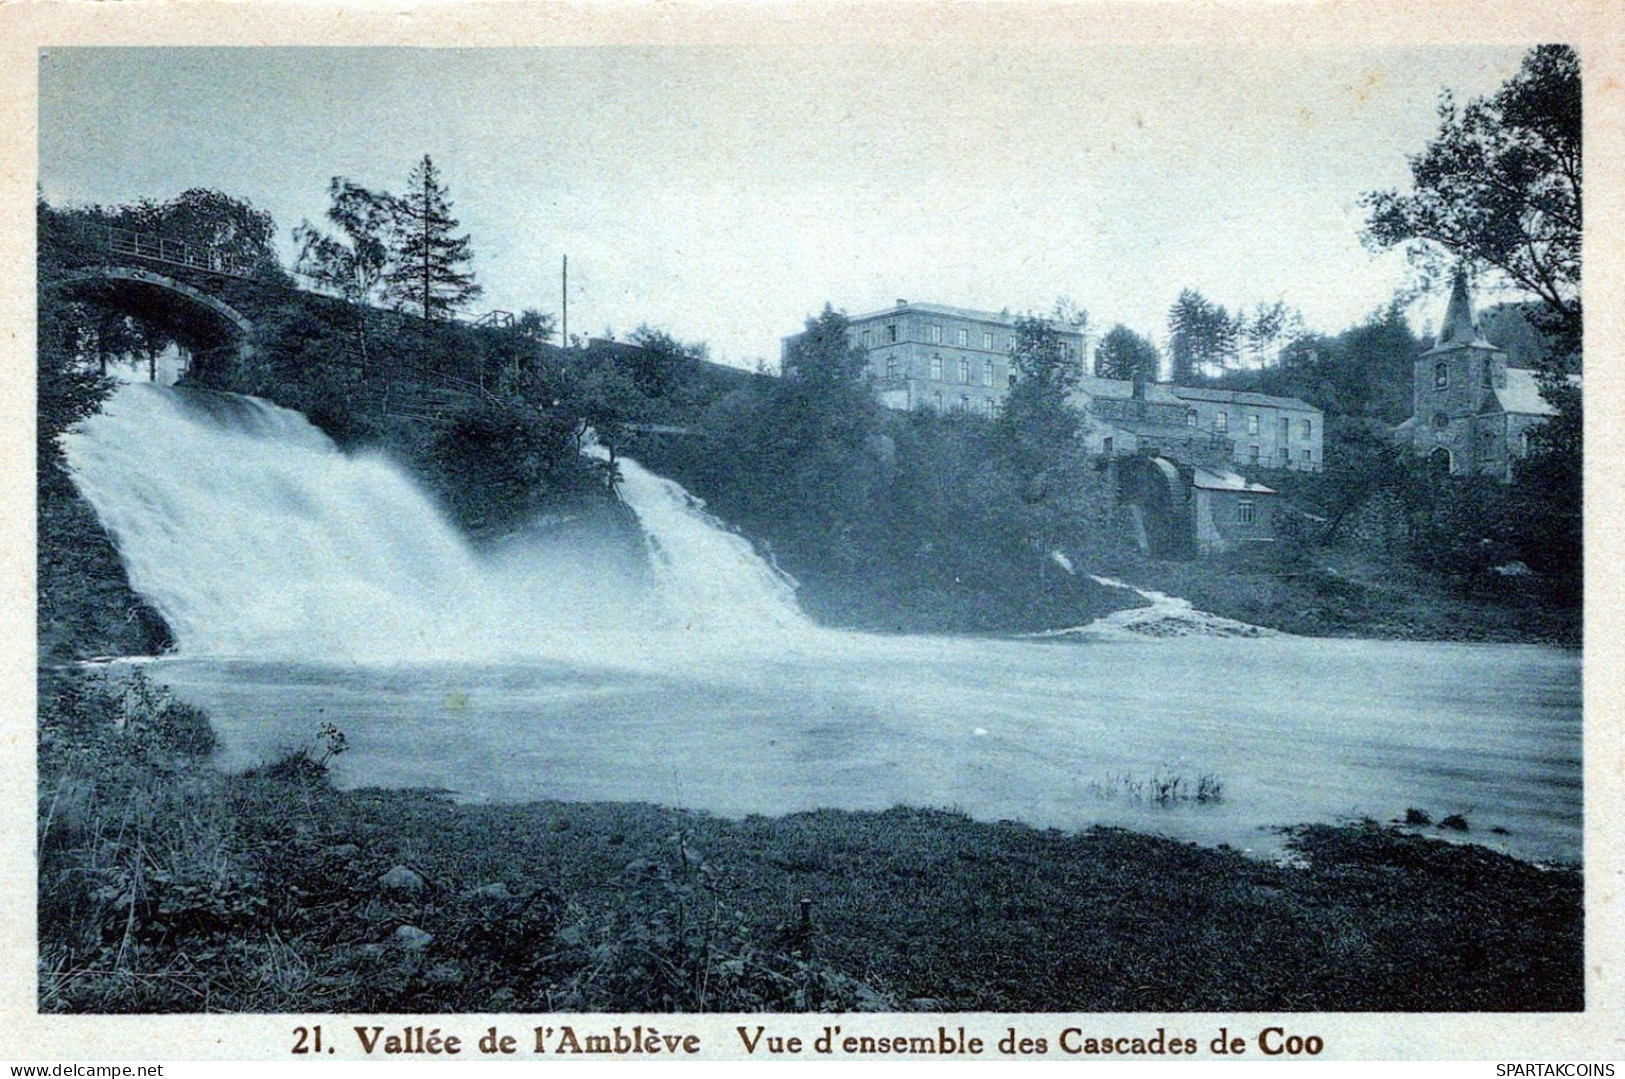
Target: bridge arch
<point>168,302</point>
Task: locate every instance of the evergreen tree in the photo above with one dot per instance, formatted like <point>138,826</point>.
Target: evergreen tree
<point>428,272</point>
<point>1124,354</point>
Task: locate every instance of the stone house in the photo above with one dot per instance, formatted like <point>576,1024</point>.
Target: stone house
<point>948,359</point>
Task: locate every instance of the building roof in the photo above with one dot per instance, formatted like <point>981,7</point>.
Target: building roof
<point>1210,480</point>
<point>1240,397</point>
<point>1521,394</point>
<point>1155,392</point>
<point>943,309</point>
<point>1460,328</point>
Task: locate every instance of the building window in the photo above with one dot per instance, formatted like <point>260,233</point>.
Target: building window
<point>1286,429</point>
<point>1523,443</point>
<point>868,338</point>
<point>962,337</point>
<point>1252,423</point>
<point>1190,417</point>
<point>1308,457</point>
<point>964,370</point>
<point>991,407</point>
<point>936,369</point>
<point>1441,420</point>
<point>1252,453</point>
<point>1221,422</point>
<point>1441,376</point>
<point>1244,511</point>
<point>1106,445</point>
<point>936,400</point>
<point>987,372</point>
<point>891,333</point>
<point>935,333</point>
<point>1489,373</point>
<point>1308,428</point>
<point>1012,380</point>
<point>891,367</point>
<point>987,340</point>
<point>964,402</point>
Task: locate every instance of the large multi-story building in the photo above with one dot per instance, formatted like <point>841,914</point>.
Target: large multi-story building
<point>927,355</point>
<point>1471,414</point>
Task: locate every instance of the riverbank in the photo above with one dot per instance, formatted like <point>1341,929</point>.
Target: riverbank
<point>1340,594</point>
<point>169,887</point>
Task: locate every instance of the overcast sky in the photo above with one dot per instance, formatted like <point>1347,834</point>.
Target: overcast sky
<point>723,194</point>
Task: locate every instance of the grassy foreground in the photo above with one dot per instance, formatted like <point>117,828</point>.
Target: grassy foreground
<point>168,887</point>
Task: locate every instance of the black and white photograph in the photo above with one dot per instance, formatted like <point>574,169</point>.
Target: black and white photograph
<point>857,533</point>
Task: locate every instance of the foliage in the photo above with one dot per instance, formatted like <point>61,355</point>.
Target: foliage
<point>1201,336</point>
<point>426,272</point>
<point>1123,354</point>
<point>353,263</point>
<point>1500,185</point>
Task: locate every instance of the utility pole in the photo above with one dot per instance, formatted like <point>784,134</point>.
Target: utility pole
<point>564,289</point>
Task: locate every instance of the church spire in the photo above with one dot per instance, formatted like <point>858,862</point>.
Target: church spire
<point>1460,328</point>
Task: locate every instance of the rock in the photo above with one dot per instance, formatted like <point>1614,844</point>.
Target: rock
<point>401,879</point>
<point>412,938</point>
<point>443,973</point>
<point>491,891</point>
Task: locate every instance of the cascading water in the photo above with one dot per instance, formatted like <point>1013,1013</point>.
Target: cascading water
<point>253,534</point>
<point>708,577</point>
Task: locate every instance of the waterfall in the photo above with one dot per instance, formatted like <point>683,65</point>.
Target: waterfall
<point>708,577</point>
<point>254,535</point>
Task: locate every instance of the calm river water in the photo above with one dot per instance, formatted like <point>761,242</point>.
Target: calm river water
<point>1054,733</point>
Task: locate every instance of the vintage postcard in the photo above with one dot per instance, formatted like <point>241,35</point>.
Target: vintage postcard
<point>831,532</point>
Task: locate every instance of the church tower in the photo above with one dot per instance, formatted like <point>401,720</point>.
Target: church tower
<point>1450,384</point>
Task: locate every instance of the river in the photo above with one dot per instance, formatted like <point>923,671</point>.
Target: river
<point>525,676</point>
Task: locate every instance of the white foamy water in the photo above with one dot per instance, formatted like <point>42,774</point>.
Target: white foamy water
<point>253,534</point>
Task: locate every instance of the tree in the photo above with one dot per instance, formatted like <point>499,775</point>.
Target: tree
<point>1500,187</point>
<point>353,263</point>
<point>1125,354</point>
<point>426,273</point>
<point>1201,335</point>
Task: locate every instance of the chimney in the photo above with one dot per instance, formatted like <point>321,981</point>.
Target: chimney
<point>901,302</point>
<point>1139,385</point>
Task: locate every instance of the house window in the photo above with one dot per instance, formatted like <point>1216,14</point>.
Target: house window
<point>1190,417</point>
<point>891,333</point>
<point>1308,456</point>
<point>964,402</point>
<point>1523,444</point>
<point>868,338</point>
<point>962,337</point>
<point>1221,422</point>
<point>1441,376</point>
<point>1106,445</point>
<point>936,369</point>
<point>1252,423</point>
<point>964,370</point>
<point>935,333</point>
<point>1252,453</point>
<point>987,340</point>
<point>1244,511</point>
<point>891,367</point>
<point>991,407</point>
<point>936,400</point>
<point>1489,374</point>
<point>1286,429</point>
<point>987,372</point>
<point>1308,428</point>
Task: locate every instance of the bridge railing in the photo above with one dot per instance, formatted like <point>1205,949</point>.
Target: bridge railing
<point>155,248</point>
